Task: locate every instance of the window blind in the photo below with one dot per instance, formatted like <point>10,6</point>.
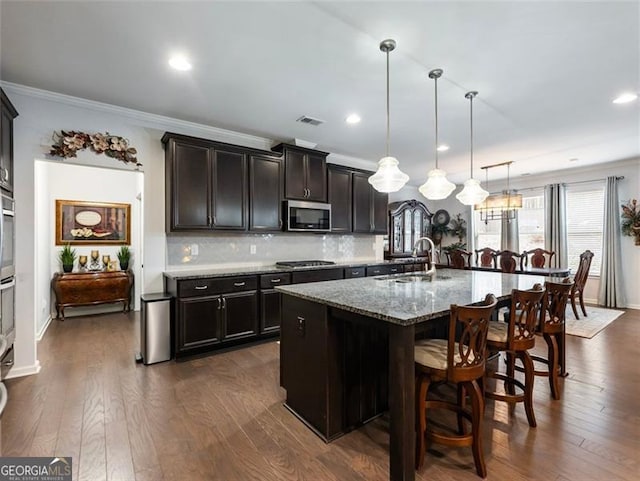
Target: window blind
<point>585,218</point>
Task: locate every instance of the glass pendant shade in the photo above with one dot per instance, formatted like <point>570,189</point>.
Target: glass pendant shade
<point>472,193</point>
<point>437,186</point>
<point>388,177</point>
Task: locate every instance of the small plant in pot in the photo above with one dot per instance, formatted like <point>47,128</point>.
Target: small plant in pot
<point>67,257</point>
<point>124,256</point>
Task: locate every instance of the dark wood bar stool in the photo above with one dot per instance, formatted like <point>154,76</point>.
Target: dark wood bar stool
<point>486,257</point>
<point>552,328</point>
<point>515,338</point>
<point>508,261</point>
<point>459,259</point>
<point>539,258</point>
<point>462,363</point>
<point>579,282</point>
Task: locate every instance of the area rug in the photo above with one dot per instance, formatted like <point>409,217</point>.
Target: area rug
<point>598,318</point>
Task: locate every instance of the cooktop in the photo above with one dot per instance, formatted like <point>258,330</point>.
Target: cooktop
<point>303,263</point>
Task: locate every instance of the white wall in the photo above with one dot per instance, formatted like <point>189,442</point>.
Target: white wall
<point>93,184</point>
<point>40,114</point>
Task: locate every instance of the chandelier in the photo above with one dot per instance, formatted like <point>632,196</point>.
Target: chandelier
<point>499,206</point>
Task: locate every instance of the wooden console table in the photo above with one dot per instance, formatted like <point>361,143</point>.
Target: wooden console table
<point>90,288</point>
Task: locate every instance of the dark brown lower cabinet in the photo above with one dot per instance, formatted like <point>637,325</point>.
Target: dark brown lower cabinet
<point>270,311</point>
<point>199,323</point>
<point>240,315</point>
<point>334,366</point>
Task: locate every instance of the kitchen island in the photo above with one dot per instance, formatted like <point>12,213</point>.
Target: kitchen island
<point>346,348</point>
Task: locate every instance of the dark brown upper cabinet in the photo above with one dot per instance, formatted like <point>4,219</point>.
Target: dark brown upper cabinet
<point>266,180</point>
<point>207,186</point>
<point>305,173</point>
<point>7,114</point>
<point>339,187</point>
<point>369,206</point>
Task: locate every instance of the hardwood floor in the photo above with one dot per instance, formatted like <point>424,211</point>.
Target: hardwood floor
<point>222,418</point>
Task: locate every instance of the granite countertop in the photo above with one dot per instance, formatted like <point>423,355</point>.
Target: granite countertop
<point>272,269</point>
<point>407,303</point>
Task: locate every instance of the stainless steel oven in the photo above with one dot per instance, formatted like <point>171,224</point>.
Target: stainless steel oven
<point>7,239</point>
<point>7,309</point>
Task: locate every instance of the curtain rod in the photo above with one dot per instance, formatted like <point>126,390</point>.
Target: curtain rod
<point>568,183</point>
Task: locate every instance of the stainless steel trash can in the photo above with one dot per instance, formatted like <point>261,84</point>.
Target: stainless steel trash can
<point>155,328</point>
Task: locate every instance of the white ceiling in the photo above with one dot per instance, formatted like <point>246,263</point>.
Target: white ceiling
<point>546,72</point>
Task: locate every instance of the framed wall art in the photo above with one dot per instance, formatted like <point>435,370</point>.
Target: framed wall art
<point>92,223</point>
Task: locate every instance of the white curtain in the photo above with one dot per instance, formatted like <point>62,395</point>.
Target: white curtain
<point>611,293</point>
<point>555,218</point>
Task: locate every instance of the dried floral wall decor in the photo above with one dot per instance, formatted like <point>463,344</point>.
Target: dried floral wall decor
<point>68,143</point>
<point>631,220</point>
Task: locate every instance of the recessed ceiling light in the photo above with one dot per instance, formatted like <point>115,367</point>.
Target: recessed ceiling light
<point>574,159</point>
<point>180,62</point>
<point>353,119</point>
<point>625,98</point>
<point>443,148</point>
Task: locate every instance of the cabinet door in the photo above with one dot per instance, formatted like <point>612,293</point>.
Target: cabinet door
<point>265,194</point>
<point>295,181</point>
<point>240,314</point>
<point>199,322</point>
<point>316,177</point>
<point>6,149</point>
<point>380,211</point>
<point>270,311</point>
<point>229,190</point>
<point>340,199</point>
<point>361,203</point>
<point>190,187</point>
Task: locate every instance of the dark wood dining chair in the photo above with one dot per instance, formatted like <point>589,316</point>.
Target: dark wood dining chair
<point>515,338</point>
<point>539,258</point>
<point>461,362</point>
<point>459,259</point>
<point>579,282</point>
<point>508,261</point>
<point>552,328</point>
<point>486,257</point>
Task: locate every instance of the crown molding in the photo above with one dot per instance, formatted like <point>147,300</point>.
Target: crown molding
<point>146,118</point>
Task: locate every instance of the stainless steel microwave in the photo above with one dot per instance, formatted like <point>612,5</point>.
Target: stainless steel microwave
<point>307,216</point>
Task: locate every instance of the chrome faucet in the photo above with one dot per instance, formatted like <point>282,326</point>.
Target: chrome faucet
<point>432,271</point>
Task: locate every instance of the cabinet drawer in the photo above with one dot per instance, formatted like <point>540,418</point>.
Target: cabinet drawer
<point>384,270</point>
<point>216,285</point>
<point>300,277</point>
<point>268,281</point>
<point>351,272</point>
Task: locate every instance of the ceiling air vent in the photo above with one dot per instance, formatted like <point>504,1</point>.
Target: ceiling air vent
<point>309,120</point>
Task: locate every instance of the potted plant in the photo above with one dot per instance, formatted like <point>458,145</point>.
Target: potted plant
<point>438,231</point>
<point>67,257</point>
<point>631,220</point>
<point>124,256</point>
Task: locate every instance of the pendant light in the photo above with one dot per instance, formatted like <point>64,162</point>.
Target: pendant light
<point>388,177</point>
<point>472,192</point>
<point>437,186</point>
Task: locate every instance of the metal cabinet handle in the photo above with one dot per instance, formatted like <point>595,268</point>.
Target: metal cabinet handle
<point>354,273</point>
<point>201,288</point>
<point>275,281</point>
<point>309,192</point>
<point>239,284</point>
<point>224,303</point>
<point>280,223</point>
<point>8,363</point>
<point>219,304</point>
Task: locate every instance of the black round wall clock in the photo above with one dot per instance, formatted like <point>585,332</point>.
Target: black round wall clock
<point>441,217</point>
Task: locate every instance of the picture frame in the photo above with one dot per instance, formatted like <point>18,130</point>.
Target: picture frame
<point>92,223</point>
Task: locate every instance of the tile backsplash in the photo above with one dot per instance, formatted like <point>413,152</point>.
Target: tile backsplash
<point>224,250</point>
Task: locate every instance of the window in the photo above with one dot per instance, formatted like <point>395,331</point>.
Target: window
<point>585,220</point>
<point>531,221</point>
<point>530,225</point>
